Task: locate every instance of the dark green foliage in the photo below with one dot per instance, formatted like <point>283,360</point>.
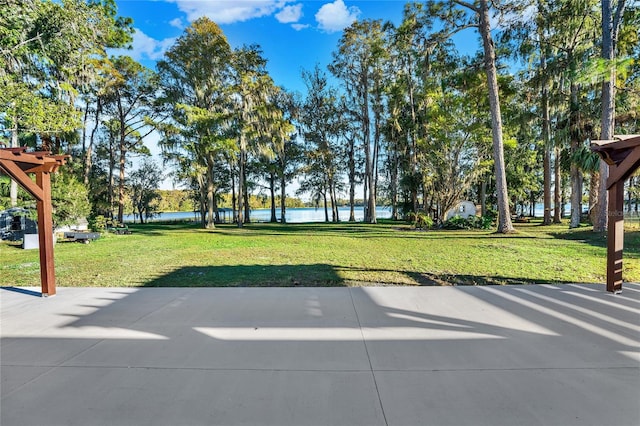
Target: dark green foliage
<point>69,199</point>
<point>420,220</point>
<point>97,223</point>
<point>472,222</point>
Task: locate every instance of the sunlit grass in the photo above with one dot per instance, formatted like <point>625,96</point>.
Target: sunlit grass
<point>325,255</point>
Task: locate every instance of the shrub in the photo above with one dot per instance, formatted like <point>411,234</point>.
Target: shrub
<point>472,222</point>
<point>420,220</point>
<point>98,223</point>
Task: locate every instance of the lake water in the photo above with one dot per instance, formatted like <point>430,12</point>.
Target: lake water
<point>293,215</point>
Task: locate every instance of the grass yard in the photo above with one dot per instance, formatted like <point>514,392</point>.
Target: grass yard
<point>324,255</point>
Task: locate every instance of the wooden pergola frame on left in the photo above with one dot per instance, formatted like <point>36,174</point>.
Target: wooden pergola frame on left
<point>18,164</point>
<point>623,157</point>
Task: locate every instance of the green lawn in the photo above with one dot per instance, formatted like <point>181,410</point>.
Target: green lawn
<point>324,255</point>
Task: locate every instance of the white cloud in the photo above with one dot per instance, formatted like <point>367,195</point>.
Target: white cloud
<point>177,22</point>
<point>290,14</point>
<point>229,11</point>
<point>336,16</point>
<point>145,47</point>
<point>299,27</point>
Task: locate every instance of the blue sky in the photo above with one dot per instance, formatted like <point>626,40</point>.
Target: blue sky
<point>294,35</point>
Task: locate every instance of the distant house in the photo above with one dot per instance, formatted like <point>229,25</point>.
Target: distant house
<point>464,209</point>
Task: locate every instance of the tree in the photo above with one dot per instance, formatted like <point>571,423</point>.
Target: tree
<point>143,188</point>
<point>359,63</point>
<point>198,127</point>
<point>69,199</point>
<point>451,149</point>
<point>321,126</point>
<point>612,14</point>
<point>251,87</point>
<point>279,133</point>
<point>48,51</point>
<point>129,99</point>
<point>459,15</point>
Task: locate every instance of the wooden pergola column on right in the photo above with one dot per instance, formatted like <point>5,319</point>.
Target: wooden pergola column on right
<point>623,157</point>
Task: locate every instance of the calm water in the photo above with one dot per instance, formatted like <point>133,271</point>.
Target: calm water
<point>294,215</point>
<point>298,215</point>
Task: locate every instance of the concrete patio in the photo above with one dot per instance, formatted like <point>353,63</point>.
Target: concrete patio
<point>521,355</point>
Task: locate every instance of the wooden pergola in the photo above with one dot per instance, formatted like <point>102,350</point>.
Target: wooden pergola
<point>623,157</point>
<point>18,164</point>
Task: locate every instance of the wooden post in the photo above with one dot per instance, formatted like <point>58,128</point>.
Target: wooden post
<point>45,235</point>
<point>615,237</point>
<point>623,157</point>
<point>17,163</point>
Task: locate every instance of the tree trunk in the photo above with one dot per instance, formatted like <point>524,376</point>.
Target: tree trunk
<point>84,129</point>
<point>546,143</point>
<point>373,194</point>
<point>483,197</point>
<point>112,165</point>
<point>352,180</point>
<point>88,160</point>
<point>247,206</point>
<point>366,128</point>
<point>202,201</point>
<point>326,211</point>
<point>576,196</point>
<point>210,196</point>
<point>504,213</point>
<point>241,182</point>
<point>335,197</point>
<point>413,143</point>
<point>272,190</point>
<point>575,174</point>
<point>557,194</point>
<point>141,213</point>
<point>594,188</point>
<point>283,198</point>
<point>532,204</point>
<point>216,213</point>
<point>122,149</point>
<point>234,217</point>
<point>394,185</point>
<point>122,165</point>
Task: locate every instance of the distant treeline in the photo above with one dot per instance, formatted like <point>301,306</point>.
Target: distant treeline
<point>179,200</point>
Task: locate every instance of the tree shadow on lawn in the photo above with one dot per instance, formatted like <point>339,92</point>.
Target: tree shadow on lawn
<point>426,279</point>
<point>357,230</point>
<point>316,275</point>
<point>385,230</point>
<point>442,280</point>
<point>158,229</point>
<point>312,275</point>
<point>587,236</point>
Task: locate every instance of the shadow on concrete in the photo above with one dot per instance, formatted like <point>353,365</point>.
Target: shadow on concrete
<point>324,356</point>
<point>22,290</point>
